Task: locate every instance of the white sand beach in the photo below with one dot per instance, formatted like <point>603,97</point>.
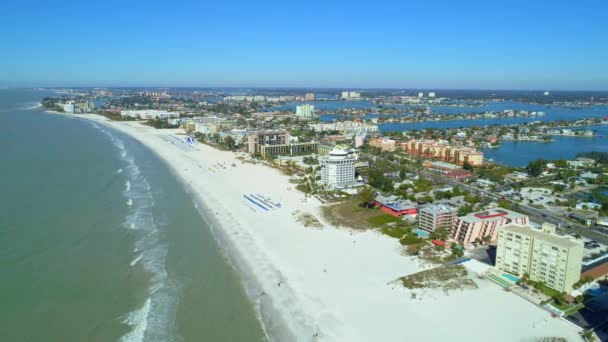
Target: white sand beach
<point>330,284</point>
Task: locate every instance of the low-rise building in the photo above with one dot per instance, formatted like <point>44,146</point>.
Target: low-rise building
<point>436,216</point>
<point>394,206</point>
<point>385,144</point>
<point>544,256</point>
<point>449,170</point>
<point>484,226</point>
<point>484,183</point>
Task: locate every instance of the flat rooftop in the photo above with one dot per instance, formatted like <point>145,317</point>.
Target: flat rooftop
<point>394,203</point>
<point>557,240</point>
<point>491,215</point>
<point>437,209</point>
<point>445,165</point>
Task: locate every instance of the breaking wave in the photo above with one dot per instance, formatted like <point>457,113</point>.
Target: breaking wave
<point>152,321</point>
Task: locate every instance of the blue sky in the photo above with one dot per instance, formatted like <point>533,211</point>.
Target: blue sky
<point>411,44</point>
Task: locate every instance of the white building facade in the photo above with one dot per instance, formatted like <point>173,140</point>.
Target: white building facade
<point>338,169</point>
<point>554,260</point>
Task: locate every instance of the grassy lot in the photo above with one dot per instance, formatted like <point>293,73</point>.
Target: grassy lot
<point>350,214</point>
<point>394,232</point>
<point>411,239</point>
<point>381,219</point>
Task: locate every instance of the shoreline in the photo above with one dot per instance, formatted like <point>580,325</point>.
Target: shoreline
<point>324,284</point>
<point>268,315</point>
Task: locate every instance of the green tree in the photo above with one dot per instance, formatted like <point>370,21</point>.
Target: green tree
<point>562,164</point>
<point>536,167</point>
<point>367,194</point>
<point>229,142</point>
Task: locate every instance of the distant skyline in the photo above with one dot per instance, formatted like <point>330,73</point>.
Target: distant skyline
<point>384,44</point>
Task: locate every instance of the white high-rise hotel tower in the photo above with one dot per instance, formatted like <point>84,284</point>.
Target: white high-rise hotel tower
<point>338,169</point>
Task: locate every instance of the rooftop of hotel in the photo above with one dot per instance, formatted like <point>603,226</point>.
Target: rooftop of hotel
<point>491,215</point>
<point>554,239</point>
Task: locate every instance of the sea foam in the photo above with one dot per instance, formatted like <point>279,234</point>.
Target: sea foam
<point>138,319</point>
<point>153,321</point>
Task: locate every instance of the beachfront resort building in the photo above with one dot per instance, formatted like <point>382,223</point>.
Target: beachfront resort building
<point>291,149</point>
<point>484,226</point>
<point>305,111</point>
<point>309,97</point>
<point>260,138</point>
<point>436,216</point>
<point>443,151</point>
<point>546,257</point>
<point>338,168</point>
<point>149,114</point>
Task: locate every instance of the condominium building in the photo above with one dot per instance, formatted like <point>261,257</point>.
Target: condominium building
<point>310,97</point>
<point>484,226</point>
<point>289,149</point>
<point>436,216</point>
<point>306,110</point>
<point>350,95</point>
<point>338,168</point>
<point>443,151</point>
<point>360,139</point>
<point>258,139</point>
<point>546,257</point>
